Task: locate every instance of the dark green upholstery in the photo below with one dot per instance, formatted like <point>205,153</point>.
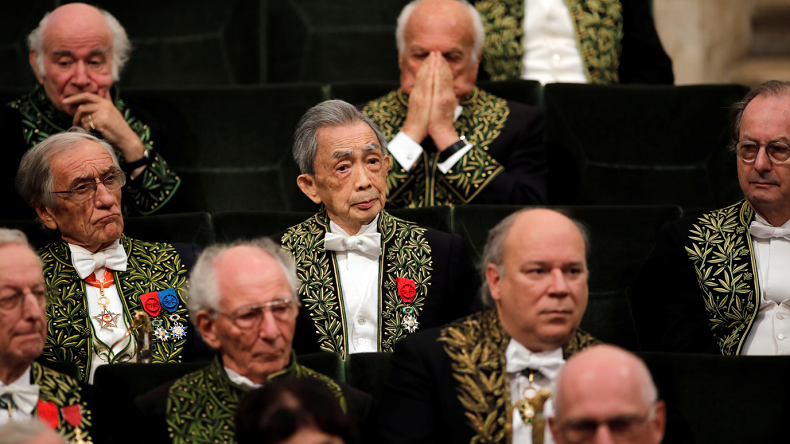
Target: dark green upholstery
<point>621,239</point>
<point>524,91</point>
<point>232,145</point>
<point>640,145</point>
<point>722,399</point>
<point>18,19</point>
<point>68,368</point>
<point>326,363</point>
<point>37,235</point>
<point>128,381</point>
<point>368,371</point>
<point>438,218</point>
<point>233,226</point>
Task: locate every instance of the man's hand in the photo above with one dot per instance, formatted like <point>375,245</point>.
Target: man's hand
<point>440,125</point>
<point>106,119</point>
<point>419,113</point>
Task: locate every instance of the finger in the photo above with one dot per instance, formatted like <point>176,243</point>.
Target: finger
<point>84,97</point>
<point>83,111</point>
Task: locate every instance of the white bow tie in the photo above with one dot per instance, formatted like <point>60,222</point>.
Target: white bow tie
<point>368,243</point>
<point>761,230</point>
<point>112,257</point>
<point>548,366</point>
<point>25,396</point>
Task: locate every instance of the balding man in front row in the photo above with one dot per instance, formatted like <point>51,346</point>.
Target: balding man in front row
<point>605,395</point>
<point>489,377</point>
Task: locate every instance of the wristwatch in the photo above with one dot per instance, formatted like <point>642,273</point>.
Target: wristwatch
<point>452,149</point>
<point>145,160</point>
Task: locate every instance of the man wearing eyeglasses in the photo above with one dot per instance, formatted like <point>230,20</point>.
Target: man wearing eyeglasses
<point>604,395</point>
<point>99,276</point>
<point>28,389</point>
<point>720,281</point>
<point>243,298</point>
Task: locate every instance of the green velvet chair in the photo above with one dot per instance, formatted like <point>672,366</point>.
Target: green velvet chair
<point>524,91</point>
<point>640,145</point>
<point>18,19</point>
<point>232,145</point>
<point>368,371</point>
<point>66,367</point>
<point>722,399</point>
<point>621,239</point>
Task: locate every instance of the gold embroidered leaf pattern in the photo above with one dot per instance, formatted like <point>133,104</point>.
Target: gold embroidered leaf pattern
<point>63,391</point>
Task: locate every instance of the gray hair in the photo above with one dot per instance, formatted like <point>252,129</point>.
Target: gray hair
<point>773,88</point>
<point>477,23</point>
<point>34,179</point>
<point>203,285</point>
<point>120,44</point>
<point>19,432</point>
<point>13,236</point>
<point>332,113</point>
<point>494,251</point>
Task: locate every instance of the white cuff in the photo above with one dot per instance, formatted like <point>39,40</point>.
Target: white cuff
<point>405,150</point>
<point>448,164</point>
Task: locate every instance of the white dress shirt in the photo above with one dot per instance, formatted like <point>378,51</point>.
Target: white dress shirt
<point>551,51</point>
<point>406,151</point>
<point>522,433</point>
<point>770,333</point>
<point>241,380</point>
<point>359,281</point>
<point>17,414</point>
<point>105,337</point>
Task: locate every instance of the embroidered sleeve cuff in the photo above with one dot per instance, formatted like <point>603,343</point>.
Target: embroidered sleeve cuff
<point>405,150</point>
<point>448,164</point>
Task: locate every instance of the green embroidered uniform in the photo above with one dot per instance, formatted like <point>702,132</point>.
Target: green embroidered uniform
<point>481,122</point>
<point>201,406</point>
<point>151,267</point>
<point>63,391</point>
<point>146,194</point>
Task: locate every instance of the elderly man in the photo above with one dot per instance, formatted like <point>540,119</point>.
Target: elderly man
<point>606,394</point>
<point>488,377</point>
<point>453,143</point>
<point>99,278</point>
<point>718,283</point>
<point>574,41</point>
<point>28,389</point>
<point>77,53</point>
<point>368,278</point>
<point>244,301</point>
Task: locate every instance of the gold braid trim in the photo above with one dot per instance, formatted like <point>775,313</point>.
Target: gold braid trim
<point>723,258</point>
<point>476,346</point>
<point>63,391</point>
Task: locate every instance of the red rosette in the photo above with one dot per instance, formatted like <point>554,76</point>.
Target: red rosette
<point>151,304</point>
<point>406,289</point>
<point>72,414</point>
<point>48,413</point>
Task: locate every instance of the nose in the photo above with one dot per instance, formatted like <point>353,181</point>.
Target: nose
<point>32,308</point>
<point>268,328</point>
<point>762,162</point>
<point>603,435</point>
<point>362,178</point>
<point>104,198</point>
<point>558,286</point>
<point>80,77</point>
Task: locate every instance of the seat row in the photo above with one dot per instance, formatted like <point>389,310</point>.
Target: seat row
<point>606,145</point>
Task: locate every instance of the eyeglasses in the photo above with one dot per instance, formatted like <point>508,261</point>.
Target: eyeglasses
<point>250,317</point>
<point>10,303</point>
<point>87,190</point>
<point>747,151</point>
<point>621,428</point>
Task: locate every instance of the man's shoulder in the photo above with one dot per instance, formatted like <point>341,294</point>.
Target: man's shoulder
<point>314,225</point>
<point>736,215</point>
<point>387,101</point>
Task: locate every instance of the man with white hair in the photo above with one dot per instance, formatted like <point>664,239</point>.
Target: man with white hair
<point>28,389</point>
<point>98,276</point>
<point>77,53</point>
<point>606,394</point>
<point>451,142</point>
<point>243,298</point>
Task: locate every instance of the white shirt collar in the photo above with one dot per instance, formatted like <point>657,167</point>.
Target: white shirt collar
<point>369,228</point>
<point>240,380</point>
<point>516,349</point>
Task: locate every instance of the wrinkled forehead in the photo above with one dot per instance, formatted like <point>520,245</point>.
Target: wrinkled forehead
<point>339,141</point>
<point>249,276</point>
<point>19,265</point>
<point>446,25</point>
<point>86,161</point>
<point>77,31</point>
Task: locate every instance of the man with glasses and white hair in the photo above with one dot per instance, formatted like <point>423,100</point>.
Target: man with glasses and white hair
<point>28,389</point>
<point>451,142</point>
<point>604,395</point>
<point>77,53</point>
<point>98,276</point>
<point>243,298</point>
<point>719,282</point>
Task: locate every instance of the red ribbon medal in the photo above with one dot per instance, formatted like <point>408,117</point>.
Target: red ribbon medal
<point>48,413</point>
<point>406,289</point>
<point>72,414</point>
<point>151,303</point>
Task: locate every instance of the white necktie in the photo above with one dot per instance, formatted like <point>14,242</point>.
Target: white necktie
<point>777,283</point>
<point>112,257</point>
<point>368,243</point>
<point>548,366</point>
<point>25,396</point>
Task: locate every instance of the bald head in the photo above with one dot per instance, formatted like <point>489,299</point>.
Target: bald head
<point>601,384</point>
<point>76,19</point>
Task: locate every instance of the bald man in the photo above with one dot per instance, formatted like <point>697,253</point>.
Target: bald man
<point>606,394</point>
<point>489,377</point>
<point>453,143</point>
<point>77,52</point>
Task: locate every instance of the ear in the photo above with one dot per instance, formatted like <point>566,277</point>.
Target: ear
<point>387,164</point>
<point>32,58</point>
<point>46,217</point>
<point>659,422</point>
<point>205,325</point>
<point>306,183</point>
<point>492,278</point>
<point>554,430</point>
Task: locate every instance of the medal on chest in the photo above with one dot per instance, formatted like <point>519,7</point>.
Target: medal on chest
<point>407,291</point>
<point>530,408</point>
<point>106,318</point>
